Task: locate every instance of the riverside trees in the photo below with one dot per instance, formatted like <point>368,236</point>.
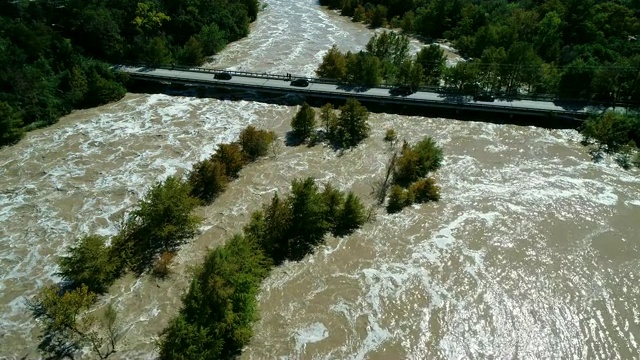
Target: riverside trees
<point>52,53</point>
<point>571,49</point>
<point>217,313</point>
<point>149,236</point>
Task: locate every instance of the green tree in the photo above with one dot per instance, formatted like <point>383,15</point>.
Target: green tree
<point>255,143</point>
<point>334,202</point>
<point>410,73</point>
<point>192,52</point>
<point>379,16</point>
<point>389,46</point>
<point>231,156</point>
<point>207,180</point>
<point>218,311</point>
<point>328,119</point>
<point>424,190</point>
<point>10,125</point>
<point>90,263</point>
<point>157,52</point>
<point>308,225</point>
<point>352,124</point>
<point>333,65</point>
<point>161,222</point>
<point>68,326</point>
<point>397,199</point>
<point>304,123</point>
<point>352,216</point>
<point>462,76</point>
<point>417,161</point>
<point>271,228</point>
<point>212,38</point>
<point>433,62</point>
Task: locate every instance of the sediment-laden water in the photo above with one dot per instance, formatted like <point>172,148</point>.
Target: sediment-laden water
<point>532,252</point>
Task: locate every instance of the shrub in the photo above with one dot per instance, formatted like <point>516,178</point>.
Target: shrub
<point>255,143</point>
<point>231,157</point>
<point>397,199</point>
<point>352,125</point>
<point>161,267</point>
<point>417,161</point>
<point>10,125</point>
<point>207,180</point>
<point>90,263</point>
<point>636,159</point>
<point>390,135</point>
<point>425,190</point>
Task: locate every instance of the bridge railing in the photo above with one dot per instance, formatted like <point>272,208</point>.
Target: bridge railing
<point>444,90</point>
<point>439,103</point>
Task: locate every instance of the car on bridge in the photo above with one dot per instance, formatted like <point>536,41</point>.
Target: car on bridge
<point>300,82</point>
<point>403,90</point>
<point>222,76</point>
<point>484,97</point>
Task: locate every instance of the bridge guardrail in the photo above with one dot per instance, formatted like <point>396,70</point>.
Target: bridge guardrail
<point>434,89</point>
<point>368,96</point>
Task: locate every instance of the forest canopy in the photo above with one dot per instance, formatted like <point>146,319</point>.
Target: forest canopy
<point>573,49</point>
<point>54,54</point>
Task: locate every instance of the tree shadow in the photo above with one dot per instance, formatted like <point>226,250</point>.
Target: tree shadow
<point>292,140</point>
<point>353,88</point>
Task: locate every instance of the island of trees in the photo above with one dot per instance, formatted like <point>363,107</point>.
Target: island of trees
<point>54,53</point>
<point>572,49</point>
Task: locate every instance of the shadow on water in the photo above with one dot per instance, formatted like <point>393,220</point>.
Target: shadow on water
<point>548,121</point>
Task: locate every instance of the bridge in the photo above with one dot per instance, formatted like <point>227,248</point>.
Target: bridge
<point>328,89</point>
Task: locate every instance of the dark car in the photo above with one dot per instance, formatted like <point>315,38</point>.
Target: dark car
<point>300,82</point>
<point>222,76</point>
<point>484,97</point>
<point>403,90</point>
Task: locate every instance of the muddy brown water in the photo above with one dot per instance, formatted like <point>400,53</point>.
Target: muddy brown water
<point>533,251</point>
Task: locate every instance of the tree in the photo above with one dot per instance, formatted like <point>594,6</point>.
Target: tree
<point>161,222</point>
<point>308,224</point>
<point>68,326</point>
<point>231,157</point>
<point>304,123</point>
<point>389,46</point>
<point>334,202</point>
<point>89,263</point>
<point>212,39</point>
<point>351,217</point>
<point>410,73</point>
<point>424,190</point>
<point>328,119</point>
<point>433,62</point>
<point>192,52</point>
<point>255,143</point>
<point>397,199</point>
<point>417,161</point>
<point>333,65</point>
<point>218,311</point>
<point>352,124</point>
<point>462,76</point>
<point>157,52</point>
<point>271,228</point>
<point>10,125</point>
<point>207,180</point>
<point>379,16</point>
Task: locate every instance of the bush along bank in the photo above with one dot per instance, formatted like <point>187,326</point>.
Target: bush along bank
<point>150,235</point>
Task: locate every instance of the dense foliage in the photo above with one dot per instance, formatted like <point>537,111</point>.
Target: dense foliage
<point>575,49</point>
<point>409,171</point>
<point>52,52</point>
<point>614,132</point>
<point>217,313</point>
<point>209,178</point>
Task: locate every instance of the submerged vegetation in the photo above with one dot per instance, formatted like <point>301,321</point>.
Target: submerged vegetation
<point>573,49</point>
<point>614,133</point>
<point>54,54</point>
<point>218,311</point>
<point>150,235</point>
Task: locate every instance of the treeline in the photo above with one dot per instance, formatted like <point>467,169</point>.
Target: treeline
<point>614,133</point>
<point>217,314</point>
<point>52,52</point>
<point>149,236</point>
<point>573,49</point>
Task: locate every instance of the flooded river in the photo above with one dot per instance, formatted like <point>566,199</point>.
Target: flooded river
<point>533,251</point>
